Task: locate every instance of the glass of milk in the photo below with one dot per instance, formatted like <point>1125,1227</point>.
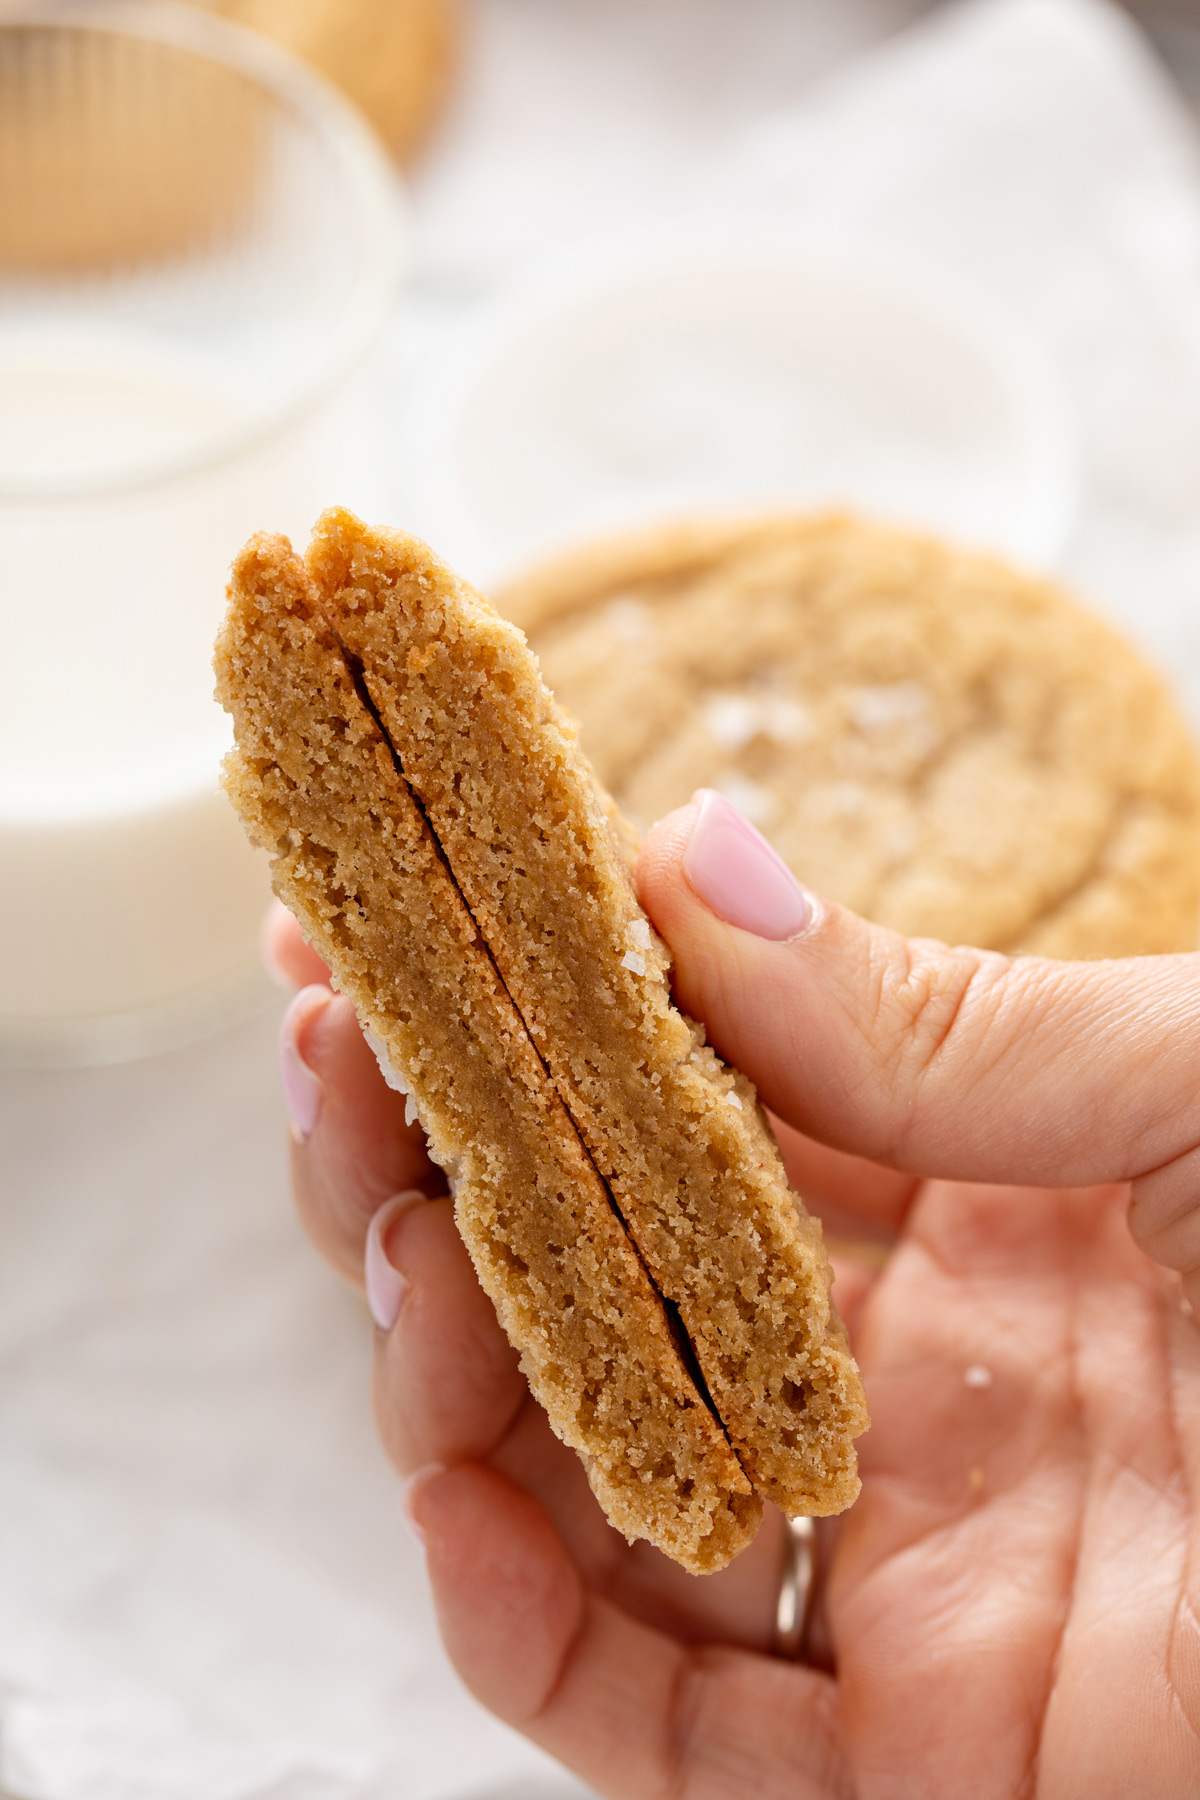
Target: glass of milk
<point>199,247</point>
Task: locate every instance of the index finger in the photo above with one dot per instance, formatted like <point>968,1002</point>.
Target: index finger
<point>627,1707</point>
<point>850,1194</point>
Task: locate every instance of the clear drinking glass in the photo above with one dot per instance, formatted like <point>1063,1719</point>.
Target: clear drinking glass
<point>200,242</point>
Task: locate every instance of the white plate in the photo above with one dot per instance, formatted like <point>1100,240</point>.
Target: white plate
<point>727,372</point>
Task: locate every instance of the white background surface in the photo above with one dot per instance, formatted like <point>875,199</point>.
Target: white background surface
<point>205,1586</point>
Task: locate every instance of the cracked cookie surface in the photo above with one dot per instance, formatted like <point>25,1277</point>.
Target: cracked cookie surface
<point>950,748</point>
<point>444,844</point>
<point>543,868</point>
<point>317,785</point>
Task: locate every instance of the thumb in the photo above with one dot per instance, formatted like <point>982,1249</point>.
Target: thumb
<point>958,1063</point>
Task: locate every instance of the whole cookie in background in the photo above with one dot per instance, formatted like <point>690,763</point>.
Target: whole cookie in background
<point>116,149</point>
<point>392,57</point>
<point>949,747</point>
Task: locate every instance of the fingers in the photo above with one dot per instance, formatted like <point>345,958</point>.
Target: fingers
<point>351,1149</point>
<point>291,961</point>
<point>851,1195</point>
<point>1023,1508</point>
<point>631,1711</point>
<point>952,1062</point>
<point>447,1385</point>
<point>448,1390</point>
<point>1164,1217</point>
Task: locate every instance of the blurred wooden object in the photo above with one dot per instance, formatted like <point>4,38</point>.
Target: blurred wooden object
<point>392,57</point>
<point>116,149</point>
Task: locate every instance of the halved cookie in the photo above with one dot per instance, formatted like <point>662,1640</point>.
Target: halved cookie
<point>445,845</point>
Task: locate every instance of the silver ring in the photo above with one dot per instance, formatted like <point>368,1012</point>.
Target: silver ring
<point>796,1586</point>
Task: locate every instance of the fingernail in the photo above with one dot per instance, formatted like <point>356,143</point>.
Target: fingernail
<point>302,1091</point>
<point>410,1494</point>
<point>733,869</point>
<point>386,1286</point>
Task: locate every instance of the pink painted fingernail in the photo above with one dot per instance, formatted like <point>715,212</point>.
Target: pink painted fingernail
<point>410,1494</point>
<point>386,1286</point>
<point>302,1091</point>
<point>733,869</point>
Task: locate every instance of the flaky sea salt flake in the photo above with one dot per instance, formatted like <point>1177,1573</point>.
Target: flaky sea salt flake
<point>881,708</point>
<point>631,960</point>
<point>394,1080</point>
<point>731,720</point>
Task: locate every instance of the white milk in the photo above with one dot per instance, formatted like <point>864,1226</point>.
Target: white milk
<point>129,899</point>
<point>162,396</point>
<point>108,614</point>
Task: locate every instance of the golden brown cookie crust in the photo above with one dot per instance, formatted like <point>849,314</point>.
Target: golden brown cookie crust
<point>380,705</point>
<point>948,747</point>
<point>392,57</point>
<point>100,150</point>
<point>679,1139</point>
<point>317,786</point>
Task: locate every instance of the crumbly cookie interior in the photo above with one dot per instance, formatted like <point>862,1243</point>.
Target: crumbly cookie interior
<point>317,785</point>
<point>679,1138</point>
<point>943,744</point>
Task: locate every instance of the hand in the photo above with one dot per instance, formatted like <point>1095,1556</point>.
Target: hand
<point>1011,1605</point>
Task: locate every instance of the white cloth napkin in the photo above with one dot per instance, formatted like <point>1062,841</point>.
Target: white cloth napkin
<point>206,1592</point>
<point>206,1588</point>
<point>1039,147</point>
